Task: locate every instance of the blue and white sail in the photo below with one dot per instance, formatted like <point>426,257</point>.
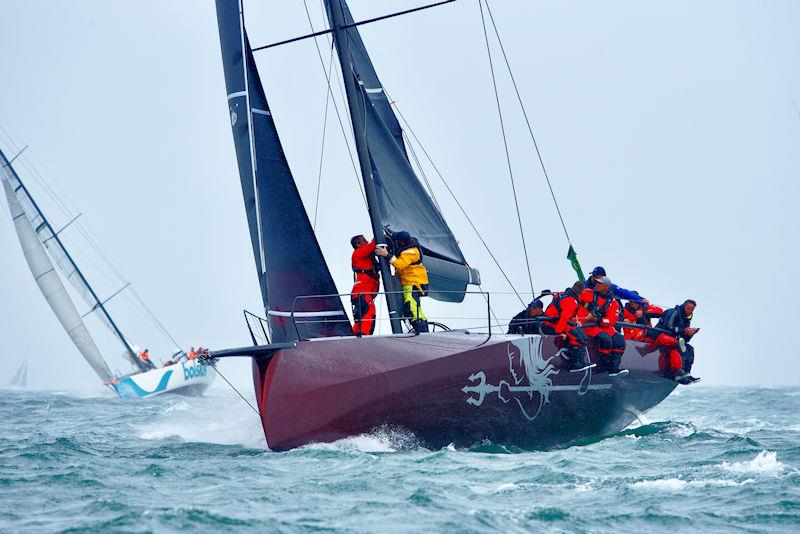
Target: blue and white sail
<point>401,200</point>
<point>288,258</point>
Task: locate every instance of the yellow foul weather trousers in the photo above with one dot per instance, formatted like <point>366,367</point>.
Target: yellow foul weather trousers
<point>412,308</point>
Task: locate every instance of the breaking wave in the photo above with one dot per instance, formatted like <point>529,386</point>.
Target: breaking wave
<point>765,463</point>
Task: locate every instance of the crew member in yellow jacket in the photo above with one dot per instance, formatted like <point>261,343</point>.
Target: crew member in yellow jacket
<point>407,262</point>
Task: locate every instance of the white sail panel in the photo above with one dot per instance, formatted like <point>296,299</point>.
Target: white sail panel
<point>47,278</point>
<point>61,259</point>
<point>20,378</point>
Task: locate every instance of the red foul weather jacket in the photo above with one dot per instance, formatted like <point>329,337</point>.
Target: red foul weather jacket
<point>628,315</point>
<point>605,306</point>
<point>365,269</point>
<point>563,308</point>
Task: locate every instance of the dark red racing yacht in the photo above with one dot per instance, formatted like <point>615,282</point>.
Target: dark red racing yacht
<point>314,381</point>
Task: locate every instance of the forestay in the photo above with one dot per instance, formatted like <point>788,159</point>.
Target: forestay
<point>403,202</point>
<point>288,257</point>
<point>26,224</point>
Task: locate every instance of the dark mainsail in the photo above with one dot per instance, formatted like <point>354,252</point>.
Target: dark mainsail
<point>288,257</point>
<point>401,201</point>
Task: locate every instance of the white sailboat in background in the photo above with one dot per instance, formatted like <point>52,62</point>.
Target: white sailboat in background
<point>48,258</point>
<point>20,378</point>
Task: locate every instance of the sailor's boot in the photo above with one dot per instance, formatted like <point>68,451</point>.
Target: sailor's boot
<point>419,326</point>
<point>578,359</point>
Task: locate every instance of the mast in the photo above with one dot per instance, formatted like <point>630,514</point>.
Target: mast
<point>390,286</point>
<point>98,303</point>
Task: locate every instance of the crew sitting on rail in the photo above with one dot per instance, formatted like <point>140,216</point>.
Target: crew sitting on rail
<point>669,361</point>
<point>528,321</point>
<point>192,354</point>
<point>641,314</point>
<point>366,284</point>
<point>407,262</point>
<point>677,321</point>
<point>563,310</point>
<point>144,357</point>
<point>599,314</point>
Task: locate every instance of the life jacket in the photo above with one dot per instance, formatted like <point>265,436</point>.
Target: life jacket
<point>411,272</point>
<point>372,272</point>
<point>144,356</point>
<point>597,309</point>
<point>557,298</point>
<point>605,313</point>
<point>629,315</point>
<point>366,271</point>
<point>558,316</point>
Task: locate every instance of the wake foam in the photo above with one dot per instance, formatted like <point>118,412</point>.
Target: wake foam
<point>384,440</point>
<point>221,420</point>
<point>677,484</point>
<point>765,463</point>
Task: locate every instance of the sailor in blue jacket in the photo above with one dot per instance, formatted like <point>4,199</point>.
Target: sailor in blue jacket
<point>619,292</point>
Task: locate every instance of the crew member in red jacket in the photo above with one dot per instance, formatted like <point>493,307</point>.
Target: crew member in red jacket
<point>367,277</point>
<point>670,361</point>
<point>599,313</point>
<point>563,309</point>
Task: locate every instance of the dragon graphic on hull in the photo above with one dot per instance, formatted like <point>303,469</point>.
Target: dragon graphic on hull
<point>526,363</point>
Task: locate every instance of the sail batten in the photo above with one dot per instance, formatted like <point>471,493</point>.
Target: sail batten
<point>288,258</point>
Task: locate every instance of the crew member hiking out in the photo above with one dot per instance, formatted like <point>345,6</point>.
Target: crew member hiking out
<point>599,313</point>
<point>528,321</point>
<point>677,321</point>
<point>563,310</point>
<point>366,284</point>
<point>144,356</point>
<point>407,262</point>
<point>669,361</point>
<point>618,292</point>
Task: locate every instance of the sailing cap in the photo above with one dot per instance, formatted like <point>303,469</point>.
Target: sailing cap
<point>536,303</point>
<point>603,280</point>
<point>598,271</point>
<point>402,236</point>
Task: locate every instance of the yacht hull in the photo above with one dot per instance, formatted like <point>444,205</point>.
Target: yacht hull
<point>190,378</point>
<point>446,388</point>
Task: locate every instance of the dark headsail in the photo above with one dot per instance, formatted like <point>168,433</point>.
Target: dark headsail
<point>401,201</point>
<point>288,258</point>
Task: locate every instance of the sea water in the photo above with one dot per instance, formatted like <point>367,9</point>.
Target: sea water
<point>708,458</point>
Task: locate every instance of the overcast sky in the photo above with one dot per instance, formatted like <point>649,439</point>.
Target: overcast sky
<point>668,129</point>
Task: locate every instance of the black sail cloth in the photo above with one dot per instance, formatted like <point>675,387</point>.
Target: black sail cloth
<point>403,202</point>
<point>288,258</point>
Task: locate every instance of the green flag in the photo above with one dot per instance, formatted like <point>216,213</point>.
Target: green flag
<point>573,259</point>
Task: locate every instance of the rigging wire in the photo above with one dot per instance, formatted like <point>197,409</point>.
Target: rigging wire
<point>505,144</point>
<point>85,230</point>
<point>335,105</point>
<point>453,195</point>
<point>322,148</point>
<point>528,122</point>
<point>210,362</point>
